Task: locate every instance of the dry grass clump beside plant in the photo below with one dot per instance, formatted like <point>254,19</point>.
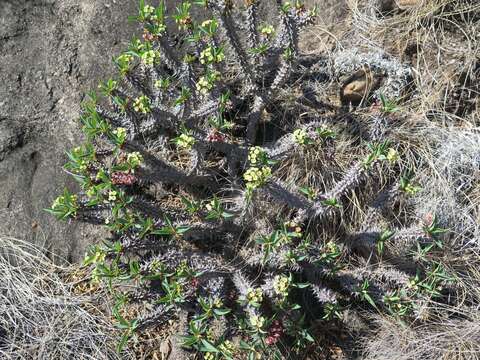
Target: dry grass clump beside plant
<point>41,317</point>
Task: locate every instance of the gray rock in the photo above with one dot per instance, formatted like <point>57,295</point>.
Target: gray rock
<point>51,53</point>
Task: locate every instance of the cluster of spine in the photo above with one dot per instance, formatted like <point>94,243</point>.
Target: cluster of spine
<point>201,222</point>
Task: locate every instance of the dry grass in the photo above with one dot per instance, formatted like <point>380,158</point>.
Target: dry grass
<point>40,316</point>
<point>440,39</point>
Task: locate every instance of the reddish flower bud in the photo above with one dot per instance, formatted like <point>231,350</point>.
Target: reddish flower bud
<point>194,283</point>
<point>121,178</point>
<point>270,340</point>
<point>428,219</point>
<point>147,36</point>
<point>215,136</point>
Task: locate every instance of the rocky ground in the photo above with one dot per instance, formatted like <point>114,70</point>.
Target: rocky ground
<point>51,53</point>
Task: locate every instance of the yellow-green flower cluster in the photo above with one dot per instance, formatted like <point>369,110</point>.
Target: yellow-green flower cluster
<point>211,55</point>
<point>155,265</point>
<point>210,26</point>
<point>211,205</point>
<point>60,201</point>
<point>300,137</point>
<point>150,57</point>
<point>185,141</point>
<point>82,163</point>
<point>217,302</point>
<point>207,23</point>
<point>257,322</point>
<point>209,356</point>
<point>120,133</point>
<point>125,58</point>
<point>123,62</point>
<point>256,177</point>
<point>281,285</point>
<point>161,83</point>
<point>137,45</point>
<point>296,228</point>
<point>142,104</point>
<point>98,256</point>
<point>255,155</point>
<point>112,195</point>
<point>160,28</point>
<point>392,155</point>
<point>254,296</point>
<point>227,347</point>
<point>205,83</point>
<point>332,247</point>
<point>148,10</point>
<point>267,30</point>
<point>134,159</point>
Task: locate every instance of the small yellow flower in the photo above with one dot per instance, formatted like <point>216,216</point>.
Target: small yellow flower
<point>255,154</point>
<point>134,159</point>
<point>255,296</point>
<point>392,155</point>
<point>142,104</point>
<point>300,137</point>
<point>227,347</point>
<point>209,356</point>
<point>256,177</point>
<point>281,285</point>
<point>217,302</point>
<point>148,10</point>
<point>57,202</point>
<point>112,195</point>
<point>290,224</point>
<point>125,58</point>
<point>120,132</point>
<point>206,56</point>
<point>185,141</point>
<point>150,57</point>
<point>209,206</point>
<point>203,85</point>
<point>267,30</point>
<point>257,321</point>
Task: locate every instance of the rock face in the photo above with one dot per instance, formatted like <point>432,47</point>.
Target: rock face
<point>51,53</point>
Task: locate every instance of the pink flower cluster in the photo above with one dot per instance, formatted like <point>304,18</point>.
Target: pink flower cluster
<point>275,332</point>
<point>121,178</point>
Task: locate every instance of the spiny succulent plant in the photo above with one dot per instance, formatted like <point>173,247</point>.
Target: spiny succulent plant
<point>227,202</point>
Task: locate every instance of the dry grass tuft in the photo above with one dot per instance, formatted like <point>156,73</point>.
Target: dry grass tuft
<point>40,316</point>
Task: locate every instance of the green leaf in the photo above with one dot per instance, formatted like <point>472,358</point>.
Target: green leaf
<point>369,299</point>
<point>221,312</point>
<point>182,229</point>
<point>302,285</point>
<point>208,347</point>
<point>123,341</point>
